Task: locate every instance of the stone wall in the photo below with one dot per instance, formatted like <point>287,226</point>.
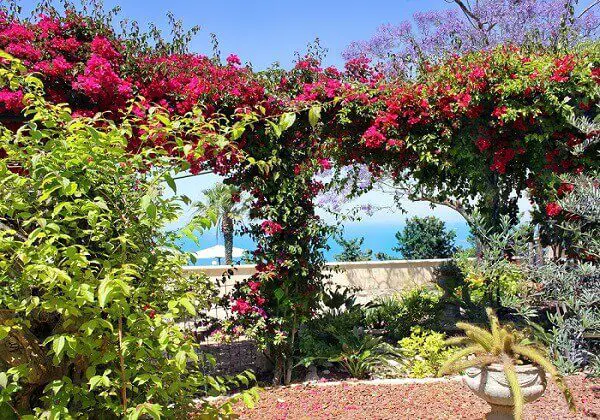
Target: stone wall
<point>373,278</point>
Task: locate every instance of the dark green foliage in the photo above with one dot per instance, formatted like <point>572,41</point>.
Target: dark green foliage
<point>382,256</point>
<point>339,299</point>
<point>361,356</point>
<point>323,336</point>
<point>352,250</point>
<point>425,237</point>
<point>396,315</point>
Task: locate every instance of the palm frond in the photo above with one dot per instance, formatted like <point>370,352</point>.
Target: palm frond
<point>479,361</point>
<point>457,341</point>
<point>517,393</point>
<point>446,368</point>
<point>477,334</point>
<point>538,358</point>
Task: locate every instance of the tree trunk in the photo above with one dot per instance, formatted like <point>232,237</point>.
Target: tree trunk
<point>22,347</point>
<point>227,228</point>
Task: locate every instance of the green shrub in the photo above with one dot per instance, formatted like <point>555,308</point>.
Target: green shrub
<point>364,354</point>
<point>93,290</point>
<point>423,353</point>
<point>359,354</point>
<point>396,315</point>
<point>323,336</point>
<point>494,276</point>
<point>425,237</point>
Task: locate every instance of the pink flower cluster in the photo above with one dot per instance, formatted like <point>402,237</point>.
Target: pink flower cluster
<point>101,82</point>
<point>271,228</point>
<point>11,101</point>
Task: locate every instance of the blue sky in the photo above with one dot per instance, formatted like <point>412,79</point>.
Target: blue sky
<point>262,31</point>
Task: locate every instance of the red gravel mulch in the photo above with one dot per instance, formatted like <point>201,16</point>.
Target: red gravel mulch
<point>445,400</point>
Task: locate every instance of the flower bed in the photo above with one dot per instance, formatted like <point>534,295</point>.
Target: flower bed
<point>436,400</point>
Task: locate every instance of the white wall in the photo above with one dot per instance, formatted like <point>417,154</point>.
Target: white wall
<point>374,278</point>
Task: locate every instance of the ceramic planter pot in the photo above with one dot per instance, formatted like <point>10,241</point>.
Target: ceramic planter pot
<point>490,384</point>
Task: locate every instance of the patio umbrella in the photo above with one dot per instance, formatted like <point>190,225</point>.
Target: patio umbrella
<point>218,252</point>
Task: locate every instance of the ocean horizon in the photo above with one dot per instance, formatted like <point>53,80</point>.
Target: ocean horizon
<point>379,237</point>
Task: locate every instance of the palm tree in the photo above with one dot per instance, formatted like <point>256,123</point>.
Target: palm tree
<point>221,201</point>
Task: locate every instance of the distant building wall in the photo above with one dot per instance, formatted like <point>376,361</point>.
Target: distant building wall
<point>374,278</point>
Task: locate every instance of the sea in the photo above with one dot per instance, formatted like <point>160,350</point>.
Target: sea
<point>379,237</point>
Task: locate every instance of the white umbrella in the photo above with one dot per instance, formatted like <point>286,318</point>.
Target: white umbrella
<point>218,252</point>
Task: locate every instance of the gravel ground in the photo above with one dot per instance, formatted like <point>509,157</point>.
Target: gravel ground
<point>446,400</point>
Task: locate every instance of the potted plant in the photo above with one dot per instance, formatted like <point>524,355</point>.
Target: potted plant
<point>503,367</point>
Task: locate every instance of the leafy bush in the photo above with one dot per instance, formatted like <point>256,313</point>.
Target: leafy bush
<point>423,353</point>
<point>564,310</point>
<point>425,237</point>
<point>396,315</point>
<point>352,250</point>
<point>564,304</point>
<point>494,276</point>
<point>92,289</point>
<point>359,354</point>
<point>323,336</point>
<point>364,354</point>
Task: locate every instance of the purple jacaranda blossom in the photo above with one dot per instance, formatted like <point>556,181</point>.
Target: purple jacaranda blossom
<point>433,35</point>
<point>350,182</point>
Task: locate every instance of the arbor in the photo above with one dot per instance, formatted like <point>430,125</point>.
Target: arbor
<point>481,130</point>
<point>411,49</point>
<point>352,250</point>
<point>425,237</point>
<point>223,202</point>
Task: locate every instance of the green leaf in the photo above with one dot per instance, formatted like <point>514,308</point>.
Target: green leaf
<point>104,290</point>
<point>287,120</point>
<point>248,400</point>
<point>276,128</point>
<point>279,293</point>
<point>151,211</point>
<point>237,131</point>
<point>181,359</point>
<point>58,345</point>
<point>90,372</point>
<point>145,202</point>
<point>4,330</point>
<point>185,302</point>
<point>3,379</point>
<point>314,115</point>
<point>171,182</point>
<point>154,410</point>
<point>95,381</point>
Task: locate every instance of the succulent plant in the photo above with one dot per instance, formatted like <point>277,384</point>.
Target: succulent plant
<point>505,345</point>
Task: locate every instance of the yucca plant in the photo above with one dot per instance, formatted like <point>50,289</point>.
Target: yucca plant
<point>504,345</point>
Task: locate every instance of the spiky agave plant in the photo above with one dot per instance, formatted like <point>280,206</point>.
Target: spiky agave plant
<point>504,345</point>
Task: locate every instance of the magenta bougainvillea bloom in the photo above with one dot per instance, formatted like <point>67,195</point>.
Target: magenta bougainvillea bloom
<point>271,228</point>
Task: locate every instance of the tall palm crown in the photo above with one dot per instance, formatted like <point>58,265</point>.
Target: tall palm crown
<point>222,201</point>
